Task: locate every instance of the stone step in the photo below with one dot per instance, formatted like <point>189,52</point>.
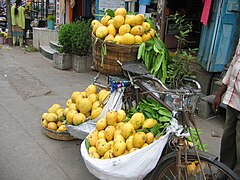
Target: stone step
<point>47,51</point>
<point>216,84</point>
<point>205,106</point>
<point>54,45</point>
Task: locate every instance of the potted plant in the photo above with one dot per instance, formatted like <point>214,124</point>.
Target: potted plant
<point>51,21</point>
<point>2,37</point>
<point>63,59</point>
<point>81,43</point>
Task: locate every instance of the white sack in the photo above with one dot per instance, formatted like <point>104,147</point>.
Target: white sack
<point>135,165</point>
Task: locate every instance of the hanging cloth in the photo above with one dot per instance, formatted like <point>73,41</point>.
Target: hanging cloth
<point>206,10</point>
<point>18,19</point>
<point>72,3</point>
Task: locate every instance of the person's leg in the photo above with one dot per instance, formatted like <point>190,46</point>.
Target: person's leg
<point>228,143</point>
<point>20,41</point>
<point>14,40</point>
<point>237,165</point>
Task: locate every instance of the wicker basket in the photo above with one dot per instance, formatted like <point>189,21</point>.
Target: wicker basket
<point>63,136</point>
<point>114,52</point>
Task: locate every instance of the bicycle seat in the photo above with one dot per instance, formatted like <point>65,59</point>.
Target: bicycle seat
<point>135,67</point>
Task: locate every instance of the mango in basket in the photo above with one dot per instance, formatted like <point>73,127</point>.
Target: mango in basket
<point>109,133</point>
<point>101,134</point>
<point>137,120</point>
<point>44,115</point>
<point>78,118</point>
<point>119,148</point>
<point>127,130</point>
<point>92,139</point>
<point>120,11</point>
<point>129,143</point>
<point>62,128</point>
<point>101,124</point>
<point>70,116</point>
<point>108,154</point>
<point>149,123</point>
<point>52,126</point>
<point>102,32</point>
<point>139,139</point>
<point>92,149</point>
<point>45,123</point>
<point>102,147</point>
<point>149,138</point>
<point>121,115</point>
<point>51,117</point>
<point>84,106</point>
<point>96,112</point>
<point>111,118</point>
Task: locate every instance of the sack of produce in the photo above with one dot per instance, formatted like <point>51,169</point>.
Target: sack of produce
<point>128,145</point>
<point>128,159</point>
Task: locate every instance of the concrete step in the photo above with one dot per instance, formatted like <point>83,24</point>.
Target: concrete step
<point>216,84</point>
<point>54,45</point>
<point>47,51</point>
<point>205,106</point>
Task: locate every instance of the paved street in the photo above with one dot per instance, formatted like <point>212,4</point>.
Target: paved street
<point>29,85</point>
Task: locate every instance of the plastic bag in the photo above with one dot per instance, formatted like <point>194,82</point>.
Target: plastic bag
<point>135,165</point>
<point>82,130</point>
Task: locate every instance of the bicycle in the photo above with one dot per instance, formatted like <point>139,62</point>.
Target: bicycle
<point>181,162</point>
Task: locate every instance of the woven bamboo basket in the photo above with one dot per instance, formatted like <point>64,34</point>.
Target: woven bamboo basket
<point>115,52</point>
<point>62,136</point>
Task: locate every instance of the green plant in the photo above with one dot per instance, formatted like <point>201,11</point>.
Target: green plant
<point>51,18</point>
<point>81,37</point>
<point>2,34</point>
<point>178,65</point>
<point>64,38</point>
<point>30,49</point>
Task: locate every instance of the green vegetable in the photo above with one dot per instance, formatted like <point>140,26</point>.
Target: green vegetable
<point>154,55</point>
<point>103,51</point>
<point>87,144</point>
<point>151,109</point>
<point>195,139</point>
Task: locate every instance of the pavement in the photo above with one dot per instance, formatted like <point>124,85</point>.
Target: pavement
<point>29,85</point>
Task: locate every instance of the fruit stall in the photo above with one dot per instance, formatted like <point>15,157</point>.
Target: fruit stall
<point>113,136</point>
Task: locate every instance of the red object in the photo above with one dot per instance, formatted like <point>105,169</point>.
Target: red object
<point>206,10</point>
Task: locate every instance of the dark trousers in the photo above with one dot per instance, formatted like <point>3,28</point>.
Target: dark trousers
<point>230,145</point>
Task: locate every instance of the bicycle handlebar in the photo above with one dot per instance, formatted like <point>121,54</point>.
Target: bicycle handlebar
<point>175,91</point>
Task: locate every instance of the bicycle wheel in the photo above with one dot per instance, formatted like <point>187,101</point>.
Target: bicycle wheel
<point>166,168</point>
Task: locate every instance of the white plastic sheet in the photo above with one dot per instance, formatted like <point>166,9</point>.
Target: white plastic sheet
<point>135,165</point>
<point>82,130</point>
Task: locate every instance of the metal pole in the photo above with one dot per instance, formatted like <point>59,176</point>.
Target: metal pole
<point>9,20</point>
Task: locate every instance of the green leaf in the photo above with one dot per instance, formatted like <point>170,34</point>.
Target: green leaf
<point>141,49</point>
<point>156,49</point>
<point>155,129</point>
<point>159,61</point>
<point>151,22</point>
<point>87,144</point>
<point>164,119</point>
<point>150,42</point>
<point>109,12</point>
<point>62,117</point>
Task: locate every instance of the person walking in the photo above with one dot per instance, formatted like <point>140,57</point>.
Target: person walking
<point>229,94</point>
<point>18,22</point>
